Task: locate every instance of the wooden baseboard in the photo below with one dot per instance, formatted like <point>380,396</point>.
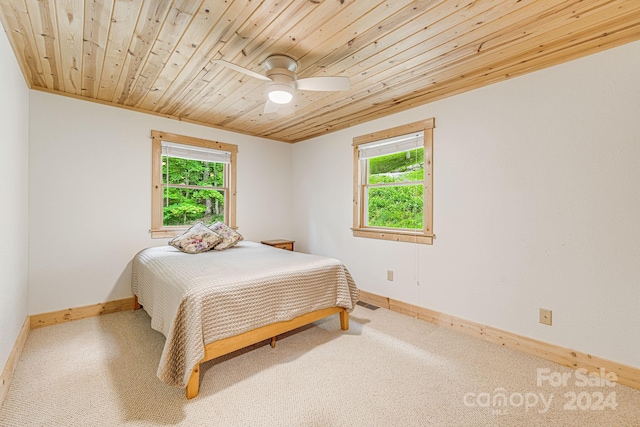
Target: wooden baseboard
<point>12,361</point>
<point>627,375</point>
<point>70,314</point>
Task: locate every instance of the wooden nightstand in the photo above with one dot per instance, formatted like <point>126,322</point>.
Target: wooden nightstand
<point>280,243</point>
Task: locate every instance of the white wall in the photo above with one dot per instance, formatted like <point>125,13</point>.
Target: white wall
<point>90,196</point>
<point>14,162</point>
<point>537,202</point>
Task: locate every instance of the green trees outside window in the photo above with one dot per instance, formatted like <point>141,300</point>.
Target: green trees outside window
<point>193,191</point>
<point>394,190</point>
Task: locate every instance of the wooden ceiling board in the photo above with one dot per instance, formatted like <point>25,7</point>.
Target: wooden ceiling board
<point>97,21</point>
<point>70,35</point>
<point>125,15</point>
<point>157,56</point>
<point>22,39</point>
<point>43,22</point>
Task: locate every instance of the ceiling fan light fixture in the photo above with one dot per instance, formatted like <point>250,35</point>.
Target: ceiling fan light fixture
<point>280,94</point>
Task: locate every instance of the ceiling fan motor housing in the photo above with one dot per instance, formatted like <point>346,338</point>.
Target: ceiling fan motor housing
<point>280,61</point>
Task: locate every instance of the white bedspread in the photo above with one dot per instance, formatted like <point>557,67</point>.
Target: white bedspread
<point>196,299</point>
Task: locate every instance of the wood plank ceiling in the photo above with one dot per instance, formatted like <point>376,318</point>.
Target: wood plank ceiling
<point>156,55</point>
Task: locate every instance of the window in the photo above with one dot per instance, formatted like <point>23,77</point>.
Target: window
<point>192,180</point>
<point>393,184</point>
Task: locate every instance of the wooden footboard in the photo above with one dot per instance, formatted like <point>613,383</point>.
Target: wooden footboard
<point>231,344</point>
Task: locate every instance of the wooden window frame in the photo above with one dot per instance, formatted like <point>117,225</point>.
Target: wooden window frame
<point>158,229</point>
<point>424,236</point>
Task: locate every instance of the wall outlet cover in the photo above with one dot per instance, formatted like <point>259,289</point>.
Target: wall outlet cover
<point>545,316</point>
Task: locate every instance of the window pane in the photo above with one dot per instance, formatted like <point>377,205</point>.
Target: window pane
<point>192,172</point>
<point>406,166</point>
<point>395,207</point>
<point>183,206</point>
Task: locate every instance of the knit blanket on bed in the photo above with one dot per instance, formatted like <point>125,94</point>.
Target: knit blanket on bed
<point>196,299</point>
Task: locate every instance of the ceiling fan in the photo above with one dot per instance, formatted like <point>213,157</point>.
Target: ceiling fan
<point>281,75</point>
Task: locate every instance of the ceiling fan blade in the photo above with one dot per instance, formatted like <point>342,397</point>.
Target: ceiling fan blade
<point>324,83</point>
<point>240,69</point>
<point>270,107</point>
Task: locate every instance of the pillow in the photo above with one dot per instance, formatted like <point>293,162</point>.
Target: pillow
<point>198,238</point>
<point>229,236</point>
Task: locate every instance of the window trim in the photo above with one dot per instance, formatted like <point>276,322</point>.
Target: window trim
<point>158,230</point>
<point>424,236</point>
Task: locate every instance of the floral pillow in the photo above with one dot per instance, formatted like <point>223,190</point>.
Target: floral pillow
<point>229,236</point>
<point>198,238</point>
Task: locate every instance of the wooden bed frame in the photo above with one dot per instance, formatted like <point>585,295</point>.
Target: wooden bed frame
<point>231,344</point>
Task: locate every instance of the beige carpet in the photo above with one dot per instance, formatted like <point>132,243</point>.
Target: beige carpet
<point>387,370</point>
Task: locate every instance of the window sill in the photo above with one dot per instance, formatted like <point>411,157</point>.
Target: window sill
<point>167,233</point>
<point>398,236</point>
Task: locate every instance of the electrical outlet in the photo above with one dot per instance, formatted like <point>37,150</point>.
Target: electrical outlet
<point>390,275</point>
<point>545,316</point>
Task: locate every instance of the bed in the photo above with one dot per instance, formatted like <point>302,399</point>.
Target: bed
<point>213,303</point>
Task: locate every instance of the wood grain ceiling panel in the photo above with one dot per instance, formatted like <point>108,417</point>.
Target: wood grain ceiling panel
<point>70,38</point>
<point>157,56</point>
